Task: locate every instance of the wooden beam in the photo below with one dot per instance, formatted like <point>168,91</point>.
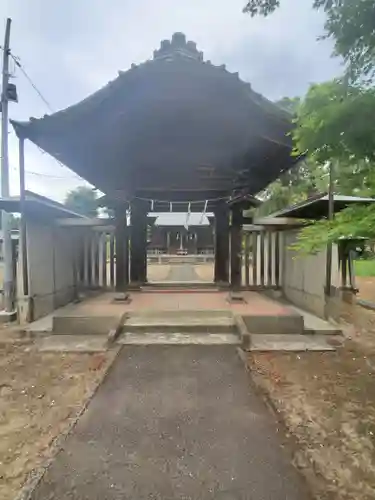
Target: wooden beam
<point>76,222</point>
<point>277,221</point>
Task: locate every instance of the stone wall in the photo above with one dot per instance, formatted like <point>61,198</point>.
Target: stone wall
<point>303,278</point>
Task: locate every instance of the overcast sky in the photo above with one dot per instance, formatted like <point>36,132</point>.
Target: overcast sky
<point>71,48</point>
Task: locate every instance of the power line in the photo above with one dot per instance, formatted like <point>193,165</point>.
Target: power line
<point>59,162</point>
<point>17,62</point>
<point>74,177</point>
<point>19,65</point>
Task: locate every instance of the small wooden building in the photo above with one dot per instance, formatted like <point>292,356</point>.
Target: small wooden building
<point>174,132</point>
<point>175,232</point>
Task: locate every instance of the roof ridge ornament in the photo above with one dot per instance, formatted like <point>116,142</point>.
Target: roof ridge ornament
<point>178,46</point>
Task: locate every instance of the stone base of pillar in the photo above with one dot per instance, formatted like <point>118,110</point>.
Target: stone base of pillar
<point>134,286</point>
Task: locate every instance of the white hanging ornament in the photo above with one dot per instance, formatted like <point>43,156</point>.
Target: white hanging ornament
<point>188,217</point>
<point>204,211</point>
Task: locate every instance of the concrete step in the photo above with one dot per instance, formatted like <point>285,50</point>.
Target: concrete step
<point>84,325</point>
<point>314,324</point>
<point>72,343</point>
<point>288,323</point>
<point>192,322</point>
<point>178,338</point>
<point>181,287</point>
<point>292,343</point>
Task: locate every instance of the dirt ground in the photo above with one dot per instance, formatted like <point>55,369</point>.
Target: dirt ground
<point>366,286</point>
<point>40,397</point>
<point>157,272</point>
<point>327,402</point>
<point>205,272</point>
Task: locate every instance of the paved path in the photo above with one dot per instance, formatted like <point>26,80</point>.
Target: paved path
<point>174,423</point>
<point>182,272</point>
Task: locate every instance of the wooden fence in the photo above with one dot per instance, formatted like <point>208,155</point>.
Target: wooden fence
<point>262,259</point>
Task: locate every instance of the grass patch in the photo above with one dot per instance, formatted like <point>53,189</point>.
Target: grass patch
<point>365,267</point>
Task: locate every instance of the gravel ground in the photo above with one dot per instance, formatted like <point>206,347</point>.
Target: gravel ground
<point>40,396</point>
<point>327,402</point>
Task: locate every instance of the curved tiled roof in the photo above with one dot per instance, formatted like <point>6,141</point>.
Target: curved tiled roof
<point>175,121</point>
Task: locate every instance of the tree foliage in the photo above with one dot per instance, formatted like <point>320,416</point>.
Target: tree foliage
<point>334,122</point>
<point>353,222</point>
<point>83,200</point>
<point>349,22</point>
<point>306,179</point>
<point>334,125</point>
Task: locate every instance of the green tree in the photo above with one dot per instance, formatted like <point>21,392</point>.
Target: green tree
<point>289,103</point>
<point>14,221</point>
<point>305,179</point>
<point>83,200</point>
<point>350,23</point>
<point>334,124</point>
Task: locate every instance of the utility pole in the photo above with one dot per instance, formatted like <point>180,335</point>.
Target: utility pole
<point>6,229</point>
<point>331,212</point>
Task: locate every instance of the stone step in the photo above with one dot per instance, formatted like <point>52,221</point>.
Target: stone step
<point>314,324</point>
<point>182,322</point>
<point>180,284</point>
<point>181,287</point>
<point>72,343</point>
<point>174,289</point>
<point>178,338</point>
<point>288,323</point>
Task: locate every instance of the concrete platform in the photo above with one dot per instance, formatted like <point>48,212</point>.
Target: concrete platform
<point>313,324</point>
<point>174,318</point>
<point>293,343</point>
<point>40,326</point>
<point>7,317</point>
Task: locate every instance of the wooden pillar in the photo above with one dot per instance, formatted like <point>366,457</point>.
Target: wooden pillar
<point>235,247</point>
<point>122,253</point>
<point>103,259</point>
<point>138,246</point>
<point>221,274</point>
<point>168,242</point>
